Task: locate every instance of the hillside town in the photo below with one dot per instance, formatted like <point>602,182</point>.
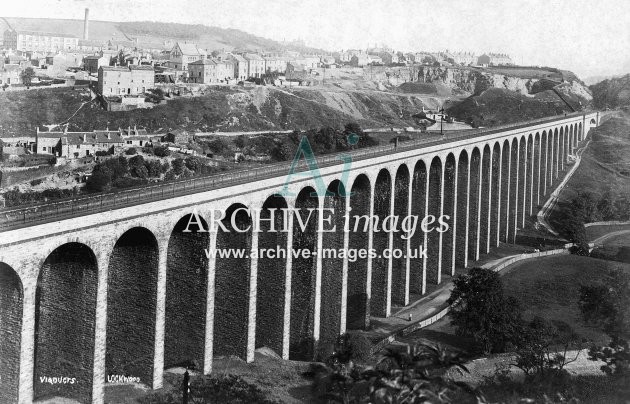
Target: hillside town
<point>127,74</point>
<point>59,58</point>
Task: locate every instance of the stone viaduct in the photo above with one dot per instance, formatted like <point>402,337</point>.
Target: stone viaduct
<point>127,292</point>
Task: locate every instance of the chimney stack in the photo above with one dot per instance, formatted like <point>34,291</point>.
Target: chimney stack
<point>85,24</point>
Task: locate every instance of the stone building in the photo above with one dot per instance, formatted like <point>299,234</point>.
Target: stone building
<point>92,63</point>
<point>129,80</point>
<point>494,59</point>
<point>202,71</point>
<point>241,67</point>
<point>255,65</point>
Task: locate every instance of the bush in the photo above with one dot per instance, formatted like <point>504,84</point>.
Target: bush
<point>193,163</point>
<point>16,198</point>
<point>36,182</point>
<point>170,175</point>
<point>154,168</point>
<point>209,389</point>
<point>161,151</point>
<point>128,182</point>
<point>131,151</point>
<point>100,180</point>
<point>178,166</point>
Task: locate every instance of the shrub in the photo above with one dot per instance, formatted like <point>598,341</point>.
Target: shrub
<point>36,182</point>
<point>154,168</point>
<point>193,163</point>
<point>161,151</point>
<point>170,175</point>
<point>14,197</point>
<point>209,389</point>
<point>178,166</point>
<point>128,182</point>
<point>131,151</point>
<point>100,180</point>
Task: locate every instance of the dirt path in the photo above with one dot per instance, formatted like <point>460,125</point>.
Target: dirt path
<point>605,237</point>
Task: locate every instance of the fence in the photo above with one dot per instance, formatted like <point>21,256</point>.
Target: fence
<point>74,207</point>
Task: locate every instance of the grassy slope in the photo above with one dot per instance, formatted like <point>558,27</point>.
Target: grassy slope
<point>612,93</point>
<point>548,287</point>
<point>605,164</point>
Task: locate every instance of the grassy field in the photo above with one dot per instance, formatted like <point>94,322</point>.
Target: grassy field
<point>593,232</point>
<point>548,287</point>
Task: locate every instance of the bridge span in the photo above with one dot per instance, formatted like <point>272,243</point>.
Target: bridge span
<point>110,284</point>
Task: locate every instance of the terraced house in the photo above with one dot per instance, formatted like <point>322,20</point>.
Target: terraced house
<point>77,144</point>
<point>255,65</point>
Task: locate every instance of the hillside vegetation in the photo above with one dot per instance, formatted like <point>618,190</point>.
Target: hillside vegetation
<point>497,106</point>
<point>219,109</point>
<point>612,93</point>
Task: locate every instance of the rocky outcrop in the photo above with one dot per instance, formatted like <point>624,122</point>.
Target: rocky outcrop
<point>475,81</point>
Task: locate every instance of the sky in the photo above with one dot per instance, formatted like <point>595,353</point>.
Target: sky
<point>588,37</point>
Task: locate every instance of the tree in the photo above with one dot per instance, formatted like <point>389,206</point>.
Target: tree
<point>607,305</point>
<point>240,141</point>
<point>131,151</point>
<point>481,311</point>
<point>100,180</point>
<point>193,163</point>
<point>161,151</point>
<point>178,166</point>
<point>153,167</point>
<point>538,343</point>
<point>27,76</point>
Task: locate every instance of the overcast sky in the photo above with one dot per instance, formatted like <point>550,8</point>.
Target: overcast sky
<point>590,37</point>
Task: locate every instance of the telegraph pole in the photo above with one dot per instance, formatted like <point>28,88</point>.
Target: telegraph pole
<point>441,121</point>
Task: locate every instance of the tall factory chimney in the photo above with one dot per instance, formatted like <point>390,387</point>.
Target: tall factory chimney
<point>85,24</point>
